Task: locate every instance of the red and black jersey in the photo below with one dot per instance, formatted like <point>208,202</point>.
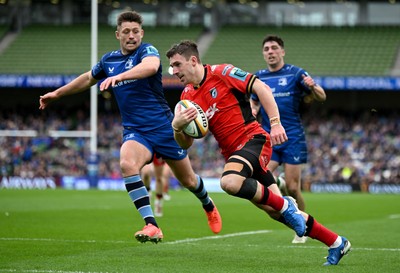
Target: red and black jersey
<point>223,94</point>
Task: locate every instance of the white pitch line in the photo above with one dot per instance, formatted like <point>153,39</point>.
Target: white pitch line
<point>352,248</point>
<point>394,216</point>
<point>190,240</point>
<point>187,240</point>
<point>128,242</point>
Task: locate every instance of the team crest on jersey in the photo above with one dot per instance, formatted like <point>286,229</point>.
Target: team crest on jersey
<point>282,82</point>
<point>111,70</point>
<point>129,64</point>
<point>213,92</point>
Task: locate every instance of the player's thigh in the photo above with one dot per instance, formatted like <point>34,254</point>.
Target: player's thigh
<point>293,173</point>
<point>273,165</point>
<point>183,171</point>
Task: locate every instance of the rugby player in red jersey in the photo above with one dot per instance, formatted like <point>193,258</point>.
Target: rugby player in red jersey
<point>223,91</point>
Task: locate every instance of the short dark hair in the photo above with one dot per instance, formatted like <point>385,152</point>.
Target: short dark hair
<point>185,48</point>
<point>273,38</point>
<point>129,16</point>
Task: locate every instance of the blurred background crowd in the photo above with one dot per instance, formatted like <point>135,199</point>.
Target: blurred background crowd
<point>360,148</point>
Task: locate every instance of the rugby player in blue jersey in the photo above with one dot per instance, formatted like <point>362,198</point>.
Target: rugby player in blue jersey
<point>290,85</point>
<point>134,74</point>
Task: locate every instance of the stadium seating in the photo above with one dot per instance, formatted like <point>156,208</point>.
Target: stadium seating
<point>44,49</point>
<point>322,51</point>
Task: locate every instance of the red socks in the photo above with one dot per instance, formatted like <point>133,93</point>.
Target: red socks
<point>271,199</point>
<point>320,233</point>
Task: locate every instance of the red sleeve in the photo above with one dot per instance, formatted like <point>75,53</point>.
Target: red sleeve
<point>234,77</point>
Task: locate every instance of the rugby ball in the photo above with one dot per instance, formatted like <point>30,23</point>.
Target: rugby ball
<point>198,127</point>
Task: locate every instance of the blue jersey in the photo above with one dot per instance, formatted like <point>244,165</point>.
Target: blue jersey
<point>288,88</point>
<point>141,102</point>
<point>146,116</point>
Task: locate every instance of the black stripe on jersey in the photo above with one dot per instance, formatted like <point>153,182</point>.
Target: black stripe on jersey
<point>244,104</point>
<point>250,84</point>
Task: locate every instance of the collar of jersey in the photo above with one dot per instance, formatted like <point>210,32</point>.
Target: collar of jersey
<point>203,80</point>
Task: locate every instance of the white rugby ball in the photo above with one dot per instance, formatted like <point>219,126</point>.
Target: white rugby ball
<point>198,127</point>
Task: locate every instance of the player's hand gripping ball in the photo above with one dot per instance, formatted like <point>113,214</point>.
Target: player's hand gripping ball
<point>198,127</point>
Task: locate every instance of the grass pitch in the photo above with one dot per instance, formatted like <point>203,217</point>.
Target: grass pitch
<point>61,231</point>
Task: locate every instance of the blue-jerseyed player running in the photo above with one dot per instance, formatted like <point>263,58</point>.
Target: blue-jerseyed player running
<point>135,75</point>
<point>290,84</point>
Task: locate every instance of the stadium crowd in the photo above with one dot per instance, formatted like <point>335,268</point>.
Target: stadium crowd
<point>360,149</point>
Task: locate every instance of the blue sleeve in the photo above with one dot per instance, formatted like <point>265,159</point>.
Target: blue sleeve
<point>148,50</point>
<point>98,70</point>
<point>300,81</point>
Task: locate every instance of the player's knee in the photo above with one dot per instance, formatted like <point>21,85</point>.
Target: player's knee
<point>230,184</point>
<point>128,167</point>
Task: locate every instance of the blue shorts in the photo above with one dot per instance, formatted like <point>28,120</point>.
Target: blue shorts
<point>161,143</point>
<point>293,151</point>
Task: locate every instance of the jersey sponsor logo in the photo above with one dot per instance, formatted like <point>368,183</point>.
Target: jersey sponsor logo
<point>239,74</point>
<point>125,82</point>
<point>282,82</point>
<point>213,92</point>
<point>111,70</point>
<point>281,94</point>
<point>129,64</point>
<point>211,111</point>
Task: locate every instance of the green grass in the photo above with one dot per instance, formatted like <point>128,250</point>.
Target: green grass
<point>92,231</point>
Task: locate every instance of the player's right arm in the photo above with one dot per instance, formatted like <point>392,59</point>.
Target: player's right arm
<point>182,117</point>
<point>267,100</point>
<point>79,84</point>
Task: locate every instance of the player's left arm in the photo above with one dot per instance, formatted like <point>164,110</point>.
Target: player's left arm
<point>267,100</point>
<point>255,106</point>
<point>317,91</point>
<point>148,67</point>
